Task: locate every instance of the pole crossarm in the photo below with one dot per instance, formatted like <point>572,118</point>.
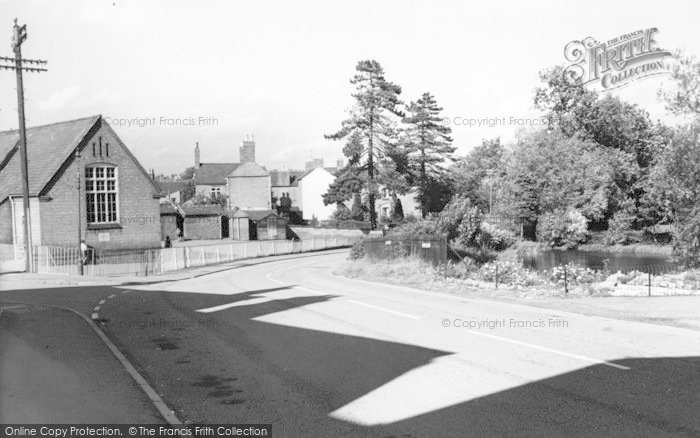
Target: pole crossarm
<point>29,69</point>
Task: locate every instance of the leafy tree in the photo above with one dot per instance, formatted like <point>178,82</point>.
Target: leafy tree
<point>428,143</point>
<point>566,100</point>
<point>470,174</point>
<point>460,220</point>
<point>674,181</point>
<point>370,130</point>
<point>562,228</point>
<point>357,212</point>
<point>558,172</point>
<point>187,173</point>
<point>684,98</point>
<point>188,191</point>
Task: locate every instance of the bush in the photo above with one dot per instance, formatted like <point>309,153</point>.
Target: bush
<point>562,229</point>
<point>421,227</point>
<point>460,220</point>
<point>686,247</point>
<point>510,272</point>
<point>394,251</point>
<point>576,274</point>
<point>618,227</point>
<point>494,237</point>
<point>358,251</point>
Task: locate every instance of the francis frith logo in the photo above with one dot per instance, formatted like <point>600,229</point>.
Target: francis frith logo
<point>617,62</point>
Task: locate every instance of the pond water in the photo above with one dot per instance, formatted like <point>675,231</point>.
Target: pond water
<point>657,264</point>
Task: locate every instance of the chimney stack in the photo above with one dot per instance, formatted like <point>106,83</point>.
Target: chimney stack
<point>247,150</point>
<point>196,156</point>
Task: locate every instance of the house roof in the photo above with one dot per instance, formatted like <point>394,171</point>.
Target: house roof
<point>213,173</point>
<point>171,186</point>
<point>50,149</point>
<point>256,215</point>
<point>203,210</point>
<point>247,170</point>
<point>308,172</point>
<point>167,209</point>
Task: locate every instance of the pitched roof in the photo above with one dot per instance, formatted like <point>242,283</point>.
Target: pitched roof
<point>203,210</point>
<point>249,169</point>
<point>308,172</point>
<point>171,186</point>
<point>256,215</point>
<point>48,147</point>
<point>167,209</point>
<point>213,173</point>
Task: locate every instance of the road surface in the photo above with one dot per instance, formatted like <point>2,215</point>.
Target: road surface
<point>287,342</point>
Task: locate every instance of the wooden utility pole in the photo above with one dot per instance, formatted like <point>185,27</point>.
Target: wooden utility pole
<point>18,37</point>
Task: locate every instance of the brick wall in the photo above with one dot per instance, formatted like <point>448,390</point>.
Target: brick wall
<point>138,211</point>
<point>202,227</point>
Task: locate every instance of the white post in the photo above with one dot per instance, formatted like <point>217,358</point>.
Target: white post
<point>218,254</point>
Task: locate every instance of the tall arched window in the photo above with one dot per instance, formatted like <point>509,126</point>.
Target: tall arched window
<point>101,194</point>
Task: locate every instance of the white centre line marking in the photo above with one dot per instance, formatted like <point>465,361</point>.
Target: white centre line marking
<point>102,302</point>
<point>550,350</point>
<point>405,315</point>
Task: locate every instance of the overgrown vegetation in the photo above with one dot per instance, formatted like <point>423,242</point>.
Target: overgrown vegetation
<point>600,165</point>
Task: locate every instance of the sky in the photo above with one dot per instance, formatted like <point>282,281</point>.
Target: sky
<point>168,74</point>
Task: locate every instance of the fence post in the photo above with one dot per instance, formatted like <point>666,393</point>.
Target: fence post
<point>566,281</point>
<point>649,276</point>
<point>218,254</point>
<point>496,276</point>
<point>187,256</point>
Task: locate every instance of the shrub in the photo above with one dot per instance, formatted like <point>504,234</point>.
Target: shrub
<point>618,227</point>
<point>686,246</point>
<point>510,272</point>
<point>494,237</point>
<point>394,251</point>
<point>460,220</point>
<point>559,228</point>
<point>421,227</point>
<point>576,274</point>
<point>358,251</point>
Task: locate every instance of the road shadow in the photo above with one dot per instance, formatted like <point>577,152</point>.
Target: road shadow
<point>231,366</point>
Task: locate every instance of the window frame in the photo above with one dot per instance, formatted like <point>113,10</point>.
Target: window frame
<point>90,176</point>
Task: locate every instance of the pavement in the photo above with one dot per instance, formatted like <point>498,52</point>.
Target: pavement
<point>287,342</point>
<point>54,369</point>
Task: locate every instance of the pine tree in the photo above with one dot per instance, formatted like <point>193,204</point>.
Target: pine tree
<point>370,129</point>
<point>428,143</point>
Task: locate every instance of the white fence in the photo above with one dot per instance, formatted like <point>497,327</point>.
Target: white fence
<point>58,260</point>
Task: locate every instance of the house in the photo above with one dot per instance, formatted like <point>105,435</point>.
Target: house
<point>210,178</point>
<point>249,187</point>
<point>80,173</point>
<point>384,204</point>
<point>171,191</point>
<point>312,185</point>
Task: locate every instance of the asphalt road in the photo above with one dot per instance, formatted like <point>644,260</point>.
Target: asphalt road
<point>288,343</point>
